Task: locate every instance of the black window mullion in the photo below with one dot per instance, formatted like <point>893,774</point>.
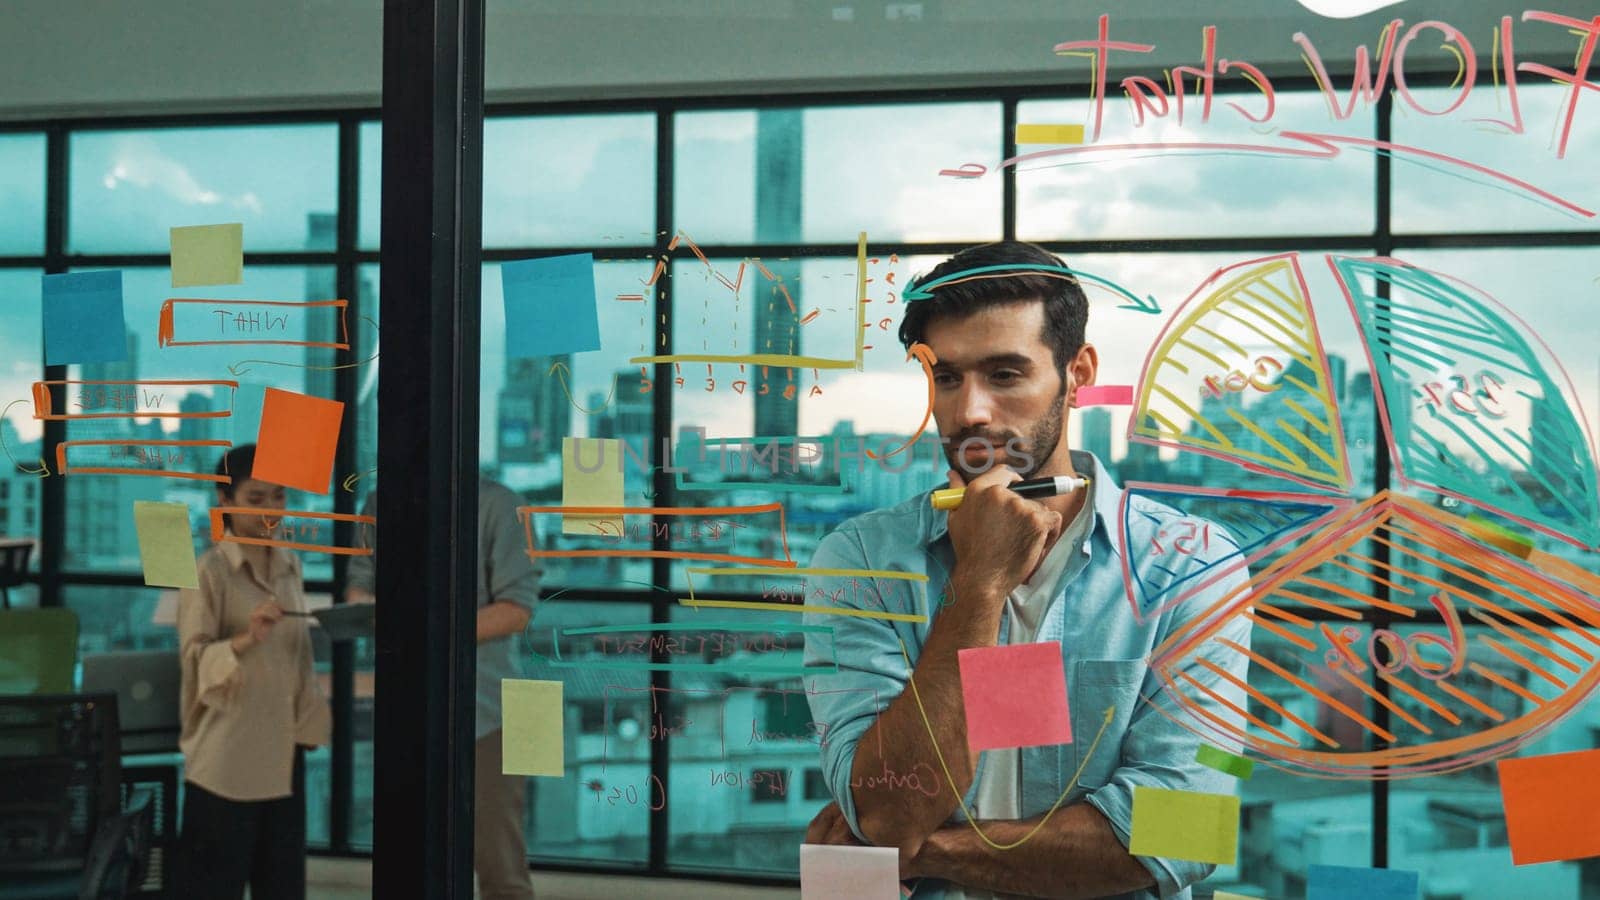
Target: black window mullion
<point>1008,175</point>
<point>1377,615</point>
<point>53,493</point>
<point>661,481</point>
<point>346,381</point>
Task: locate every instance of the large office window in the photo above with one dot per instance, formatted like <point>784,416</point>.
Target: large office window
<point>720,230</point>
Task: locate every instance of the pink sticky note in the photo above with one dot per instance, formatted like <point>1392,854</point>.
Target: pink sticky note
<point>1105,395</point>
<point>1015,696</point>
<point>829,872</point>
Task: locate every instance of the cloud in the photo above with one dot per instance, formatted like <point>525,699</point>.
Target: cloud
<point>139,162</point>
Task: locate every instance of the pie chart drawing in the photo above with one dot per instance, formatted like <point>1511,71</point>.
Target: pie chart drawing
<point>1486,640</point>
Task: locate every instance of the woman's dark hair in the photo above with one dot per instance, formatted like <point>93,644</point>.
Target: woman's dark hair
<point>1066,309</point>
<point>237,463</point>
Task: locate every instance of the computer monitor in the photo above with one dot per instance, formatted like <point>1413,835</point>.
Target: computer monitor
<point>147,685</point>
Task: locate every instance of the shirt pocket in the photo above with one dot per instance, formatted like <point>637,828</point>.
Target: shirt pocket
<point>1094,686</point>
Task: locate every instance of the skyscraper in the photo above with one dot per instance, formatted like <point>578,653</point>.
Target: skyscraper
<point>321,284</point>
<point>532,413</point>
<point>779,168</point>
<point>1096,425</point>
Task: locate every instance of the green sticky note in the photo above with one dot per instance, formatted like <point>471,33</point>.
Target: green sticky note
<point>1185,825</point>
<point>165,548</point>
<point>207,254</point>
<point>531,727</point>
<point>1223,761</point>
<point>591,475</point>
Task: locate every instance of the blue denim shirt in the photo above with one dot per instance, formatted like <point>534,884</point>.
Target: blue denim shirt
<point>1104,648</point>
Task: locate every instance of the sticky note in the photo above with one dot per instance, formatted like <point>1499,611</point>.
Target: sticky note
<point>828,872</point>
<point>1344,882</point>
<point>600,486</point>
<point>207,254</point>
<point>1552,806</point>
<point>82,315</point>
<point>1230,895</point>
<point>1185,825</point>
<point>295,446</point>
<point>1049,134</point>
<point>550,306</point>
<point>166,551</point>
<point>531,737</point>
<point>1238,766</point>
<point>1015,696</point>
<point>245,423</point>
<point>1104,395</point>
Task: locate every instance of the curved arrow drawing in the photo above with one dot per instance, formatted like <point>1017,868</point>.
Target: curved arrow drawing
<point>243,365</point>
<point>924,353</point>
<point>43,470</point>
<point>350,480</point>
<point>568,391</point>
<point>920,291</point>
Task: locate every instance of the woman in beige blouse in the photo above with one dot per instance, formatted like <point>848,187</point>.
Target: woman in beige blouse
<point>251,705</point>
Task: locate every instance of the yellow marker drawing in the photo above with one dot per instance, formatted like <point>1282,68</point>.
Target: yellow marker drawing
<point>1049,134</point>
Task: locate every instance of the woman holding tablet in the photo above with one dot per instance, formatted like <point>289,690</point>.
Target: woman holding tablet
<point>250,704</point>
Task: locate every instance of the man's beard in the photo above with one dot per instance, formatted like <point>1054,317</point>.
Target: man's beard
<point>1043,437</point>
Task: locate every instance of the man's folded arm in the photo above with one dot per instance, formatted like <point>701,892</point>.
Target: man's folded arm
<point>1159,752</point>
<point>874,736</point>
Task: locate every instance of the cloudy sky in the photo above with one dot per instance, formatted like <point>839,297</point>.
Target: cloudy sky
<point>587,181</point>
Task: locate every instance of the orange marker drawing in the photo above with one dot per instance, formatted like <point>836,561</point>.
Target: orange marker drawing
<point>140,450</point>
<point>127,398</point>
<point>218,535</point>
<point>262,320</point>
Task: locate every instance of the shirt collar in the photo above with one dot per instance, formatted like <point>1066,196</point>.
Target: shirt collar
<point>1105,495</point>
<point>235,555</point>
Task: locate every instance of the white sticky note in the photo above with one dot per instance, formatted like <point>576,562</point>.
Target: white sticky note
<point>829,872</point>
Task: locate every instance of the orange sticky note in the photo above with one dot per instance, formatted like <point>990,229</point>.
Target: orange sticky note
<point>1015,696</point>
<point>297,440</point>
<point>1552,806</point>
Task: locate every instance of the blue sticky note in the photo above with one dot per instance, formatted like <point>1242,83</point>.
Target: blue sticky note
<point>1344,882</point>
<point>83,318</point>
<point>550,306</point>
<point>246,418</point>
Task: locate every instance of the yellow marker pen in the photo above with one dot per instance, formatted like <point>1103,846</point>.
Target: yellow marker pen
<point>1055,485</point>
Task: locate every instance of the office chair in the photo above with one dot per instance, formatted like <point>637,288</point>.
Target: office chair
<point>63,830</point>
<point>13,567</point>
<point>38,650</point>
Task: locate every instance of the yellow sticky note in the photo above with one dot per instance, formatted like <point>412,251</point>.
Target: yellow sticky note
<point>1185,825</point>
<point>530,730</point>
<point>207,254</point>
<point>1230,895</point>
<point>591,475</point>
<point>1049,134</point>
<point>166,550</point>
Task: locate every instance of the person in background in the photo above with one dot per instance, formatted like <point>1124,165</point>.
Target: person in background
<point>508,587</point>
<point>251,706</point>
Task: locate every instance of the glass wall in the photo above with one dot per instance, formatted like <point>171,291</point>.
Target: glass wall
<point>719,232</point>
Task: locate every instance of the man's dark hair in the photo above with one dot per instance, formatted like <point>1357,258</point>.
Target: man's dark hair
<point>1066,309</point>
